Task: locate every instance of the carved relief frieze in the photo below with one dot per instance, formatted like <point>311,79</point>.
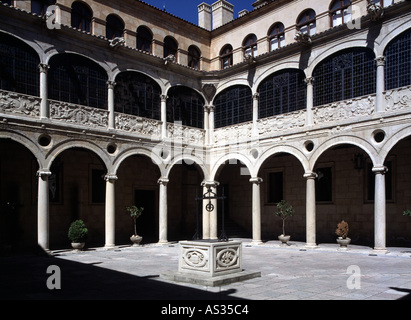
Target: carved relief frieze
<point>80,115</point>
<point>398,99</point>
<point>185,134</point>
<point>287,121</point>
<point>342,110</point>
<point>19,104</point>
<point>233,134</point>
<point>138,125</point>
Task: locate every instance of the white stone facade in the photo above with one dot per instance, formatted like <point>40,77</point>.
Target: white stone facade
<point>140,153</point>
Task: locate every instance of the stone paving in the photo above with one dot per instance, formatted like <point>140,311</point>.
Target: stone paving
<point>287,273</point>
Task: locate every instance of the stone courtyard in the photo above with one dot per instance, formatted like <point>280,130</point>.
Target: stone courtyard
<point>287,273</point>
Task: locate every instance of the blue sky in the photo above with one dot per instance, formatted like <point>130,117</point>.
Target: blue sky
<point>187,9</point>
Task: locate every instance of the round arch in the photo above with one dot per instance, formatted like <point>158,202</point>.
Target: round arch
<point>189,160</point>
<point>291,150</point>
<point>292,65</point>
<point>81,144</point>
<point>393,141</point>
<point>222,161</point>
<point>346,139</point>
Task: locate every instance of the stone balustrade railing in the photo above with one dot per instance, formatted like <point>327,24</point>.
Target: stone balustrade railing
<point>19,104</point>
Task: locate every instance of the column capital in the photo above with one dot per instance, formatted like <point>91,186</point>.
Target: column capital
<point>380,61</point>
<point>256,180</point>
<point>111,84</point>
<point>310,175</point>
<point>44,68</point>
<point>163,98</point>
<point>43,173</point>
<point>309,81</point>
<point>256,96</point>
<point>210,184</point>
<point>381,169</point>
<point>163,181</point>
<point>110,177</point>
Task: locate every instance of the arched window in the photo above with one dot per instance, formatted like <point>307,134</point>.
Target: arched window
<point>340,12</point>
<point>76,79</point>
<point>382,3</point>
<point>233,105</point>
<point>137,94</point>
<point>194,56</point>
<point>170,47</point>
<point>40,6</point>
<point>18,66</point>
<point>144,39</point>
<point>250,45</point>
<point>114,27</point>
<point>282,92</point>
<point>344,75</point>
<point>398,61</point>
<point>306,22</point>
<point>185,105</point>
<point>276,36</point>
<point>226,56</point>
<point>81,16</point>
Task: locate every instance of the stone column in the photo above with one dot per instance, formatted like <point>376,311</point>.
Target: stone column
<point>44,105</point>
<point>110,210</point>
<point>310,101</point>
<point>163,211</point>
<point>43,209</point>
<point>310,210</point>
<point>206,125</point>
<point>111,114</point>
<point>379,103</point>
<point>255,115</point>
<point>256,207</point>
<point>164,116</point>
<point>211,124</point>
<point>210,220</point>
<point>380,210</point>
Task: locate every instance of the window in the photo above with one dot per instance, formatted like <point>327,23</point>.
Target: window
<point>382,3</point>
<point>233,105</point>
<point>170,47</point>
<point>340,12</point>
<point>81,16</point>
<point>114,27</point>
<point>306,22</point>
<point>250,45</point>
<point>276,36</point>
<point>194,57</point>
<point>40,6</point>
<point>185,105</point>
<point>18,66</point>
<point>324,185</point>
<point>226,56</point>
<point>275,187</point>
<point>398,62</point>
<point>76,79</point>
<point>345,75</point>
<point>144,39</point>
<point>138,95</point>
<point>284,91</point>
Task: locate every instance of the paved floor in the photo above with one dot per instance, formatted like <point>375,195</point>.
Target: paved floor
<point>287,273</point>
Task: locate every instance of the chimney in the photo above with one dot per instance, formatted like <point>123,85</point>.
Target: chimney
<point>223,12</point>
<point>204,16</point>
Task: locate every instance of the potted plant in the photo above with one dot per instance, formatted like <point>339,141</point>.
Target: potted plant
<point>135,212</point>
<point>342,233</point>
<point>77,233</point>
<point>284,211</point>
<point>407,212</point>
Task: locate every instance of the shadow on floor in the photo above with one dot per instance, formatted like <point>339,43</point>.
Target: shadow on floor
<point>24,277</point>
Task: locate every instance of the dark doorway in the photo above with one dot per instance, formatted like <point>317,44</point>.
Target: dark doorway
<point>146,224</point>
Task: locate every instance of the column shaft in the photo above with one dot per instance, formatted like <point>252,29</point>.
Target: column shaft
<point>310,101</point>
<point>380,209</point>
<point>255,115</point>
<point>310,210</point>
<point>43,209</point>
<point>164,116</point>
<point>163,211</point>
<point>110,210</point>
<point>44,106</point>
<point>256,207</point>
<point>111,115</point>
<point>379,103</point>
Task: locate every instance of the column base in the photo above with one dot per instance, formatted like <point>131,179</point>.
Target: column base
<point>377,251</point>
<point>256,242</point>
<point>162,243</point>
<point>109,246</point>
<point>311,246</point>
